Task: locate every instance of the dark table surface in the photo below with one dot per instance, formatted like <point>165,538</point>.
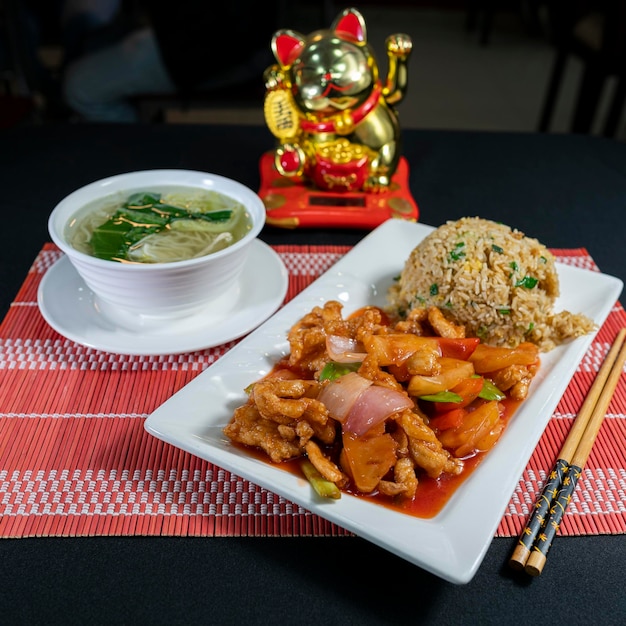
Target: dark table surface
<point>567,191</point>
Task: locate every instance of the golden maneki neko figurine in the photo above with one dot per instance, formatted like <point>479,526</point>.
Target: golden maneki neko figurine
<point>334,119</point>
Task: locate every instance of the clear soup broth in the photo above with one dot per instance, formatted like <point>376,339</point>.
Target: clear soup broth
<point>158,225</point>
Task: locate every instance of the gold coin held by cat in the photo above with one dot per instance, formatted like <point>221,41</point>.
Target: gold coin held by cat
<point>281,114</point>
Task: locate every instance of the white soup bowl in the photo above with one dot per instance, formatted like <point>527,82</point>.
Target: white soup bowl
<point>143,294</point>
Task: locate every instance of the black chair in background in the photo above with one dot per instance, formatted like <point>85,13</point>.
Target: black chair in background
<point>480,16</point>
<point>595,33</point>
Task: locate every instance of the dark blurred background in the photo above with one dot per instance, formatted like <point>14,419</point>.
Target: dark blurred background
<point>510,65</point>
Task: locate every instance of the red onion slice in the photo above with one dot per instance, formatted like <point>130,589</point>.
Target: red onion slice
<point>344,349</point>
<point>374,405</point>
<point>339,395</point>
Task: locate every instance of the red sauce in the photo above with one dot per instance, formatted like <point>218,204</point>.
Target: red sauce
<point>432,494</point>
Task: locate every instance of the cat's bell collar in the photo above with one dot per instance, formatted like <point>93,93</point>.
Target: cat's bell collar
<point>343,123</point>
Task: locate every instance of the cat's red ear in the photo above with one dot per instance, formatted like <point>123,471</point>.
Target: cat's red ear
<point>286,46</point>
<point>351,23</point>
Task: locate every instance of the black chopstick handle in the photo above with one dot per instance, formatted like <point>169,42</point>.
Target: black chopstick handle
<point>538,556</point>
<point>542,506</point>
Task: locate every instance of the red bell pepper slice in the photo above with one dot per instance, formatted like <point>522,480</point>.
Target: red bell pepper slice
<point>468,389</point>
<point>450,419</point>
<point>457,348</point>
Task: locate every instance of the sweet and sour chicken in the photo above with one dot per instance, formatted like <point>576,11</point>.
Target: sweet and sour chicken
<point>374,404</point>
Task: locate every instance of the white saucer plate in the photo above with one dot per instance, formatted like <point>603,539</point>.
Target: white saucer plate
<point>71,308</point>
<point>453,543</point>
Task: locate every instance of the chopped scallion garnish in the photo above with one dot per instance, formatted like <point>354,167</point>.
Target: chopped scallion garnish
<point>528,282</point>
<point>323,487</point>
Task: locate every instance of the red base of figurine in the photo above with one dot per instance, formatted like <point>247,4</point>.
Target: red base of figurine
<point>292,203</point>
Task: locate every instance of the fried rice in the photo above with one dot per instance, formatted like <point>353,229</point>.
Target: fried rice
<point>494,280</point>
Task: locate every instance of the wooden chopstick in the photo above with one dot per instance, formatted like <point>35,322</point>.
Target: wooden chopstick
<point>535,540</point>
<point>539,554</point>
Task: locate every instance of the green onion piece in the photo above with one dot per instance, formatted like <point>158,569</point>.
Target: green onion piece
<point>142,199</point>
<point>324,488</point>
<point>143,214</point>
<point>442,396</point>
<point>142,217</point>
<point>333,370</point>
<point>496,248</point>
<point>490,391</point>
<point>528,282</point>
<point>434,289</point>
<point>457,253</point>
<point>213,216</point>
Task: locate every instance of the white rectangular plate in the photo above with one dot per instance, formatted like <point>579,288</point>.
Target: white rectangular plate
<point>453,543</point>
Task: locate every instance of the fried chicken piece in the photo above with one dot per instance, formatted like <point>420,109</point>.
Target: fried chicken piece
<point>304,431</point>
<point>405,481</point>
<point>370,369</point>
<point>402,442</point>
<point>413,323</point>
<point>425,449</point>
<point>308,349</point>
<point>515,379</point>
<point>284,401</point>
<point>404,474</point>
<point>289,432</point>
<point>326,433</point>
<point>442,326</point>
<point>424,362</point>
<point>391,488</point>
<point>248,427</point>
<point>307,337</point>
<point>368,321</point>
<point>324,465</point>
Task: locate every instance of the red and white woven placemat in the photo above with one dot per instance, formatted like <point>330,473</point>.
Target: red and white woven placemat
<point>75,459</point>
